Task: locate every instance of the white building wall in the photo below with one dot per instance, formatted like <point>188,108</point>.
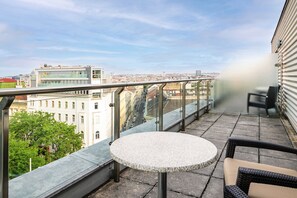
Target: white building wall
<point>88,114</point>
<point>284,43</point>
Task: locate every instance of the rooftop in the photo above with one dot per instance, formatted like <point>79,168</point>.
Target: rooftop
<point>208,182</point>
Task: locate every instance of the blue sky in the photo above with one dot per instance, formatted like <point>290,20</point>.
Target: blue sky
<point>134,36</point>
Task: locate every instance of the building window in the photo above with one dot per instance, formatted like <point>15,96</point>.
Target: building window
<point>59,117</point>
<point>96,74</point>
<point>59,104</point>
<point>73,105</point>
<point>53,104</point>
<point>46,103</point>
<point>96,105</point>
<point>82,119</point>
<point>66,105</point>
<point>66,117</point>
<point>40,103</point>
<point>97,95</point>
<point>73,118</point>
<point>83,106</point>
<point>97,135</point>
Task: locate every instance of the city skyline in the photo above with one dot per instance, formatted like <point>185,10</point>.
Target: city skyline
<point>134,37</point>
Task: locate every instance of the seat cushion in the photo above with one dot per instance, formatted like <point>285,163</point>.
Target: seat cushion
<point>259,190</point>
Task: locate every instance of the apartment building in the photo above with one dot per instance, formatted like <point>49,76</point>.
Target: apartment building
<point>89,111</point>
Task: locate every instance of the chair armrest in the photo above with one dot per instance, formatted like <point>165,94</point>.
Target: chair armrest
<point>234,142</point>
<point>233,191</point>
<point>255,94</point>
<point>246,176</point>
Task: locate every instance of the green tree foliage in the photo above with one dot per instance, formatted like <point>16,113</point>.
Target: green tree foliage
<point>19,157</point>
<point>39,136</point>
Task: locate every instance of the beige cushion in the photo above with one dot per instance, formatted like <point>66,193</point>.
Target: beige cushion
<point>259,190</point>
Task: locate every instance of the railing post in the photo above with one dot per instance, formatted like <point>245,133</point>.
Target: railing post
<point>160,106</point>
<point>116,131</point>
<point>198,99</point>
<point>183,127</point>
<point>4,152</point>
<point>207,95</point>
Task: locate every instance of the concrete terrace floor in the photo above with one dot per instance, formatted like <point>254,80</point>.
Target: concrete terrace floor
<point>208,182</point>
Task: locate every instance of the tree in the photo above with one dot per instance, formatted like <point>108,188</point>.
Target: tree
<point>39,134</point>
<point>20,153</point>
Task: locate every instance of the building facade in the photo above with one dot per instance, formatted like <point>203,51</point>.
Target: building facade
<point>284,43</point>
<point>89,111</point>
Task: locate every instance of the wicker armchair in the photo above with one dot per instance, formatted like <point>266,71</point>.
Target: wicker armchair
<point>263,101</point>
<point>248,179</point>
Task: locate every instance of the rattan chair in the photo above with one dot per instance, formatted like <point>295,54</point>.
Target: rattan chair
<point>263,101</point>
<point>244,179</point>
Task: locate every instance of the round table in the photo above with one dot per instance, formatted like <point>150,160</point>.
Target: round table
<point>163,152</point>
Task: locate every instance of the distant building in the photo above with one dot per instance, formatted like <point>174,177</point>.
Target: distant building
<point>198,72</point>
<point>88,110</point>
<point>7,83</point>
<point>19,104</point>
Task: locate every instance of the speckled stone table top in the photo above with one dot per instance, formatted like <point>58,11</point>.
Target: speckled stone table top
<point>163,151</point>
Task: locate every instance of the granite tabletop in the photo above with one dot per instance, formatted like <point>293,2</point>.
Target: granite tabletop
<point>163,151</point>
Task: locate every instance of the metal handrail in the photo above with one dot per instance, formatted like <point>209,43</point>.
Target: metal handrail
<point>8,95</point>
<point>45,90</point>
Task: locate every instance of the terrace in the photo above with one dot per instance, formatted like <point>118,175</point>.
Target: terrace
<point>208,182</point>
<point>90,171</point>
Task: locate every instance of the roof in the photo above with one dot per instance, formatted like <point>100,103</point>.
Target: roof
<point>7,80</point>
<point>280,18</point>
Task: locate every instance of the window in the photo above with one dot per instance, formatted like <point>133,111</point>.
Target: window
<point>73,105</point>
<point>96,105</point>
<point>73,118</point>
<point>59,117</point>
<point>66,117</point>
<point>97,95</point>
<point>40,103</point>
<point>83,106</point>
<point>96,74</point>
<point>82,119</point>
<point>46,103</point>
<point>53,104</point>
<point>59,104</point>
<point>97,135</point>
<point>66,105</point>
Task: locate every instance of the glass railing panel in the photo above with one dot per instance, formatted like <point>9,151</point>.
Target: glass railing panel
<point>172,104</point>
<point>46,127</point>
<point>139,109</point>
<point>191,97</point>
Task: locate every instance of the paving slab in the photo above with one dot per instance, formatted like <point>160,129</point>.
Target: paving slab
<point>124,188</point>
<point>187,183</point>
<point>246,156</point>
<point>219,170</point>
<point>278,154</point>
<point>170,194</point>
<point>216,136</point>
<point>251,133</point>
<point>195,132</point>
<point>149,178</point>
<point>291,164</point>
<point>214,189</point>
